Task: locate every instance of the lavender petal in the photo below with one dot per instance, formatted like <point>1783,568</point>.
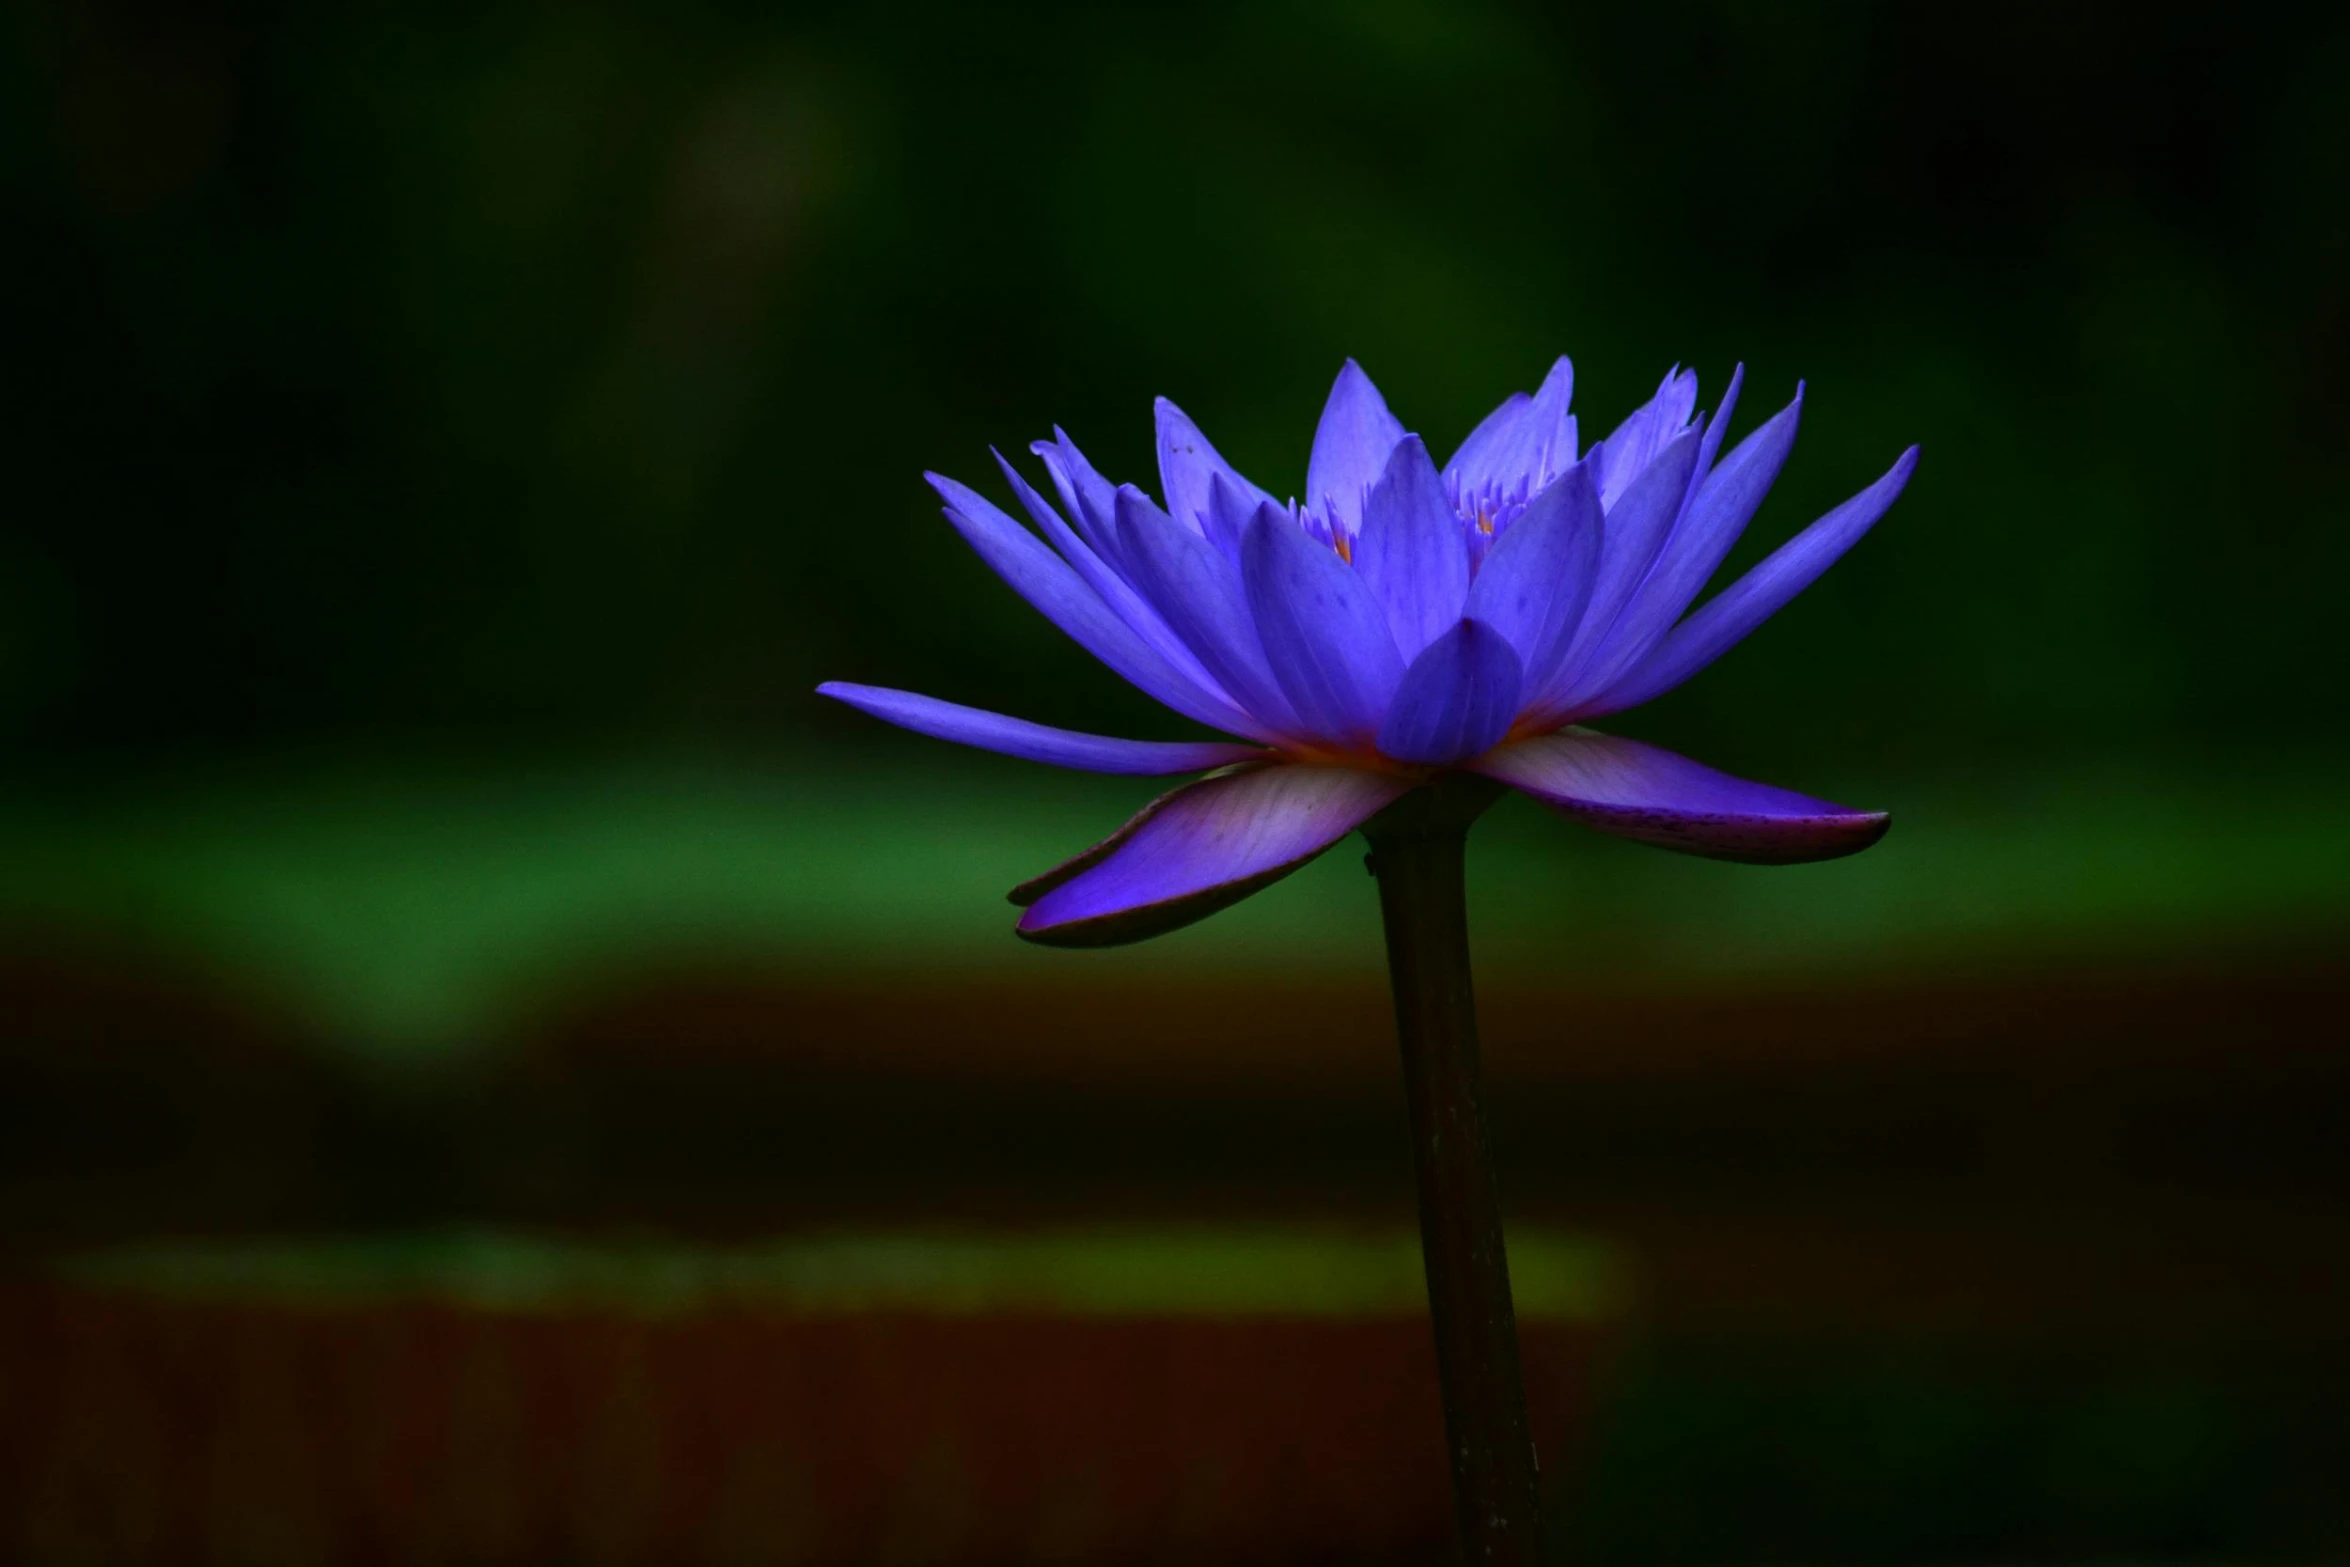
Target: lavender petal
<point>1652,796</point>
<point>1635,443</point>
<point>1537,578</point>
<point>1188,466</point>
<point>1087,496</point>
<point>1037,742</point>
<point>1729,615</point>
<point>1411,550</point>
<point>1350,446</point>
<point>1055,590</point>
<point>1189,582</point>
<point>1113,589</point>
<point>1324,633</point>
<point>1637,527</point>
<point>1456,700</point>
<point>1204,848</point>
<point>1725,503</point>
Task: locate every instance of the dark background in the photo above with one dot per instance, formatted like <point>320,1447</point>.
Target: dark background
<point>377,375</point>
<point>417,423</point>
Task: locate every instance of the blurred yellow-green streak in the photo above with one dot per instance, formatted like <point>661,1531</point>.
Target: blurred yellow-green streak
<point>1164,1271</point>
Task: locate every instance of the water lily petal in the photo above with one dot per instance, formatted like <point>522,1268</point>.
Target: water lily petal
<point>1729,615</point>
<point>1226,519</point>
<point>1725,502</point>
<point>1088,497</point>
<point>928,715</point>
<point>1199,592</point>
<point>1719,425</point>
<point>1188,465</point>
<point>1053,587</point>
<point>1480,458</point>
<point>1204,848</point>
<point>1537,578</point>
<point>1098,574</point>
<point>1653,796</point>
<point>1550,427</point>
<point>1411,551</point>
<point>1077,864</point>
<point>1637,527</point>
<point>1456,700</point>
<point>1646,432</point>
<point>1350,446</point>
<point>1323,632</point>
<point>1523,444</point>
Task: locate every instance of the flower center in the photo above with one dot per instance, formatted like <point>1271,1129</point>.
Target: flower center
<point>1486,510</point>
<point>1490,507</point>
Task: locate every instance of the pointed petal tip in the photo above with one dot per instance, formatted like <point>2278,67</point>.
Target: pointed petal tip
<point>1351,374</point>
<point>1408,453</point>
<point>1132,501</point>
<point>1059,446</point>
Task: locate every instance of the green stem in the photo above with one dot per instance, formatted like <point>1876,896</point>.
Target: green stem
<point>1417,853</point>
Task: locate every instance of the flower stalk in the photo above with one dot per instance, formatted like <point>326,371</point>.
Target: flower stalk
<point>1418,849</point>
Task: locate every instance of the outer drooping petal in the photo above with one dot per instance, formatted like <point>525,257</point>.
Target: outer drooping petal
<point>1350,447</point>
<point>1653,796</point>
<point>1324,634</point>
<point>1204,848</point>
<point>1411,550</point>
<point>1536,581</point>
<point>1037,742</point>
<point>1188,465</point>
<point>1527,440</point>
<point>1729,615</point>
<point>1456,700</point>
<point>1061,596</point>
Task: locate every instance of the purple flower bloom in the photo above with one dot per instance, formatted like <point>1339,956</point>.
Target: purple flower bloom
<point>1403,621</point>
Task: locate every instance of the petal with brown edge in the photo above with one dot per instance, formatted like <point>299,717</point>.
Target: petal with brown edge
<point>1203,848</point>
<point>1652,796</point>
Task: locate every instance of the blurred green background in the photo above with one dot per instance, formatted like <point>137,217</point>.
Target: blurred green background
<point>446,448</point>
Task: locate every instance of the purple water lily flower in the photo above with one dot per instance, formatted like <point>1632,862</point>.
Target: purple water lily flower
<point>1403,622</point>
